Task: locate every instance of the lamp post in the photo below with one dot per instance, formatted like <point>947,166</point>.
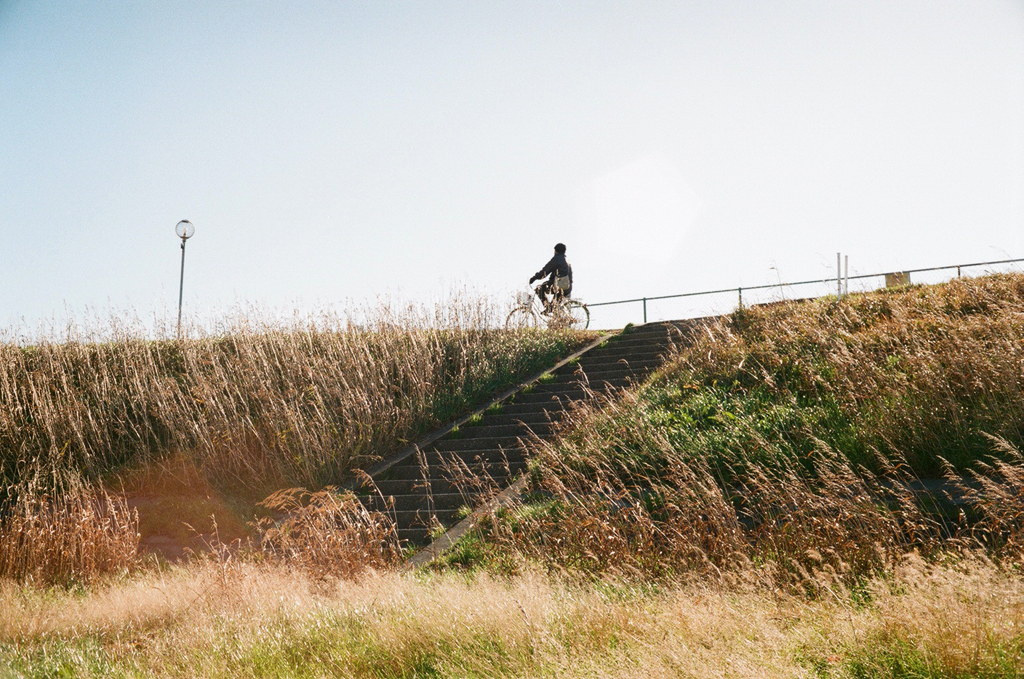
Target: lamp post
<point>184,229</point>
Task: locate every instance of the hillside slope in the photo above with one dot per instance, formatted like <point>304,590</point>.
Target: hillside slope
<point>795,433</point>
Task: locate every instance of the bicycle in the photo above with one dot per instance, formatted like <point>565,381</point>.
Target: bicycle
<point>563,313</point>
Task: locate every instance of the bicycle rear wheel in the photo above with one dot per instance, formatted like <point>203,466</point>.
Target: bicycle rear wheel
<point>522,317</point>
<point>579,315</point>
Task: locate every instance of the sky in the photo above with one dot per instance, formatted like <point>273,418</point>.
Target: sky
<point>333,153</point>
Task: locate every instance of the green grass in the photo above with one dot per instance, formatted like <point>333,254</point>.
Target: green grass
<point>904,660</point>
<point>919,375</point>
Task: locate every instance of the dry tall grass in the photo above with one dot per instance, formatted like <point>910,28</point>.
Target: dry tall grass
<point>326,534</point>
<point>206,620</point>
<point>76,537</point>
<point>735,472</point>
<point>256,405</point>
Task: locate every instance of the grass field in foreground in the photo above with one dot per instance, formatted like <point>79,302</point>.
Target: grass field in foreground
<point>224,620</point>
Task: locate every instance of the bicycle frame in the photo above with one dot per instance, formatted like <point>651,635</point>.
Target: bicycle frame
<point>558,312</point>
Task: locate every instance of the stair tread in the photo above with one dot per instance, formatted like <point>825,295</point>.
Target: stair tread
<point>435,484</point>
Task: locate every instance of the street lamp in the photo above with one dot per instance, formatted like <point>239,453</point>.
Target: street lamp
<point>184,229</point>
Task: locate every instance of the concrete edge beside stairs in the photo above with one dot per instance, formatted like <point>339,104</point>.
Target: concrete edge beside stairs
<point>450,537</point>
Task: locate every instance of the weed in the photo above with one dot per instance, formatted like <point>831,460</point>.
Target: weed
<point>327,534</point>
<point>74,538</point>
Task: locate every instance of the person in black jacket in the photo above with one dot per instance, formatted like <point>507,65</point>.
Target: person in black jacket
<point>559,272</point>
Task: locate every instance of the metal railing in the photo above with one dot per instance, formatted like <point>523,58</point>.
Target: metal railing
<point>726,300</point>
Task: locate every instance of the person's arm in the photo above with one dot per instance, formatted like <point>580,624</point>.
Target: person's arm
<point>549,268</point>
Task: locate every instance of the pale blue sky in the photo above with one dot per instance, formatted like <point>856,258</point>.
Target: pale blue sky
<point>342,150</point>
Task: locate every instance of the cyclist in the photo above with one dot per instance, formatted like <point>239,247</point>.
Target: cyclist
<point>559,283</point>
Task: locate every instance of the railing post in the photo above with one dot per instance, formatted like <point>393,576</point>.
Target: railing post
<point>846,275</point>
<point>839,277</point>
<point>645,311</point>
<point>958,271</point>
<point>741,297</point>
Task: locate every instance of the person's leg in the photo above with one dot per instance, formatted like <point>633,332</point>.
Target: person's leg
<point>542,292</point>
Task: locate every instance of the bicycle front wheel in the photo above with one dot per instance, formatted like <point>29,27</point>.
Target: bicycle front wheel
<point>579,315</point>
<point>522,317</point>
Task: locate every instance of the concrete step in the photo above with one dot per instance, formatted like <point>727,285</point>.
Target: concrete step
<point>414,535</point>
<point>486,452</point>
<point>578,377</point>
<point>558,387</point>
<point>506,442</point>
<point>572,384</point>
<point>442,484</point>
<point>612,362</point>
<point>646,343</point>
<point>608,372</point>
<point>530,418</point>
<point>650,335</point>
<point>652,330</point>
<point>479,462</point>
<point>516,408</point>
<point>553,400</point>
<point>478,431</point>
<point>627,354</point>
<point>422,517</point>
<point>617,373</point>
<point>683,326</point>
<point>414,501</point>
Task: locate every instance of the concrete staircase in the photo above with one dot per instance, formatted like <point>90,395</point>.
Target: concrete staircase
<point>430,489</point>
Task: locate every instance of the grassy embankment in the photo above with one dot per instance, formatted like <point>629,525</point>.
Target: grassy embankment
<point>748,512</point>
<point>792,436</point>
<point>186,430</point>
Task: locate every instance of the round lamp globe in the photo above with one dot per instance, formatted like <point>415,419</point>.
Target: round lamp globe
<point>184,229</point>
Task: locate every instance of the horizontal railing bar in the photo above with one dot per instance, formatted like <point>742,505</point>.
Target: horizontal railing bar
<point>811,282</point>
<point>684,294</point>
